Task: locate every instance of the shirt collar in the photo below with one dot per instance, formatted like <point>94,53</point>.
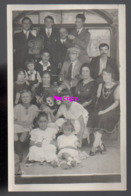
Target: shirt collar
<point>79,30</point>
<point>74,62</point>
<point>26,31</point>
<point>41,62</point>
<point>34,72</point>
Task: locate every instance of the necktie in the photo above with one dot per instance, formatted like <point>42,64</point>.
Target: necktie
<point>70,72</point>
<point>26,34</point>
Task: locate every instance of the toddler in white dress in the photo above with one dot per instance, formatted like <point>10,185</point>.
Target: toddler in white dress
<point>68,145</point>
<point>42,147</point>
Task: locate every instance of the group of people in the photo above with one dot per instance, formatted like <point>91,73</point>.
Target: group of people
<point>52,63</point>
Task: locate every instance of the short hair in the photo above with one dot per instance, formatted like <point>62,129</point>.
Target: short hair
<point>103,45</point>
<point>81,16</point>
<point>18,71</point>
<point>49,17</point>
<point>66,93</point>
<point>26,18</point>
<point>109,70</point>
<point>41,114</point>
<point>30,61</point>
<point>26,91</point>
<point>45,51</point>
<point>85,65</point>
<point>68,123</point>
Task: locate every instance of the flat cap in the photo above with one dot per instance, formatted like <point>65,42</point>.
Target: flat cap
<point>74,49</point>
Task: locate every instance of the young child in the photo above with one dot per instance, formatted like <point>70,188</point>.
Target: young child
<point>44,64</point>
<point>32,76</point>
<point>24,115</point>
<point>68,145</point>
<point>20,84</point>
<point>42,147</point>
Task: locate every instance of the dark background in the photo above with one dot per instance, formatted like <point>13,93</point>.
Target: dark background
<point>4,95</point>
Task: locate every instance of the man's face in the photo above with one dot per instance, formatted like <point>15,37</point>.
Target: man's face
<point>79,23</point>
<point>26,25</point>
<point>49,23</point>
<point>104,51</point>
<point>63,33</point>
<point>73,56</point>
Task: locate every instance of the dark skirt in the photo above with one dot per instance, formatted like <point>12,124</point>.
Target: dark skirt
<point>105,122</point>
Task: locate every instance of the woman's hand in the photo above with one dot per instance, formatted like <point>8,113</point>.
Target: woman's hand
<point>71,37</point>
<point>101,112</point>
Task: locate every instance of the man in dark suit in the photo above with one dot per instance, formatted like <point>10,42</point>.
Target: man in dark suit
<point>62,45</point>
<point>50,42</point>
<point>21,40</point>
<point>81,37</point>
<point>101,62</point>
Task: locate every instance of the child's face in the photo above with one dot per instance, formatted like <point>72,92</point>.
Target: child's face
<point>21,77</point>
<point>42,122</point>
<point>31,66</point>
<point>26,98</point>
<point>67,130</point>
<point>45,57</point>
<point>46,79</point>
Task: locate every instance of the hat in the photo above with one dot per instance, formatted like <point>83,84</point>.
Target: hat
<point>74,49</point>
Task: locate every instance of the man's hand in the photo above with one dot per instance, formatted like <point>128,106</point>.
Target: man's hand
<point>71,37</point>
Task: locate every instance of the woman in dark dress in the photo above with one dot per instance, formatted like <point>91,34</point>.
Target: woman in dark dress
<point>108,107</point>
<point>86,89</point>
<point>45,91</point>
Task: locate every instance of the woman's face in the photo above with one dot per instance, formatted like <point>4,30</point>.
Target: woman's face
<point>21,77</point>
<point>107,77</point>
<point>42,123</point>
<point>67,130</point>
<point>26,98</point>
<point>85,72</point>
<point>46,79</point>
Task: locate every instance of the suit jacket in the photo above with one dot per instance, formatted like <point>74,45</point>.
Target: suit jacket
<point>82,41</point>
<point>62,50</point>
<point>76,72</point>
<point>95,67</point>
<point>50,44</point>
<point>21,48</point>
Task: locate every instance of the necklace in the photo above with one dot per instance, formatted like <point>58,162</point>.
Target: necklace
<point>106,92</point>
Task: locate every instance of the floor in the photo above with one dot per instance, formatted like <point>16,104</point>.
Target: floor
<point>106,163</point>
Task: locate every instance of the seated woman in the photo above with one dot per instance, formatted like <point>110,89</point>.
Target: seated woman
<point>24,115</point>
<point>75,112</point>
<point>86,89</point>
<point>45,89</point>
<point>19,85</point>
<point>108,107</point>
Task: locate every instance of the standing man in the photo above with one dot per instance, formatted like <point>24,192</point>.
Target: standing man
<point>50,42</point>
<point>81,37</point>
<point>70,71</point>
<point>21,43</point>
<point>62,45</point>
<point>101,62</point>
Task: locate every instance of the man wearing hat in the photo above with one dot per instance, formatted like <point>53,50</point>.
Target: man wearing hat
<point>71,69</point>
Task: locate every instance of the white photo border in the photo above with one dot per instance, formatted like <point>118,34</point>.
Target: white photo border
<point>122,59</point>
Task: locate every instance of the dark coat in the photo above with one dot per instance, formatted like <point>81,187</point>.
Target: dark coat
<point>95,67</point>
<point>62,50</point>
<point>21,48</point>
<point>50,44</point>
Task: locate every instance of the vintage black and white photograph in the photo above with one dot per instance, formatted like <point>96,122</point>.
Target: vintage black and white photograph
<point>66,97</point>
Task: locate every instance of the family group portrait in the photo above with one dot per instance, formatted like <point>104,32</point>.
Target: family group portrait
<point>72,54</point>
